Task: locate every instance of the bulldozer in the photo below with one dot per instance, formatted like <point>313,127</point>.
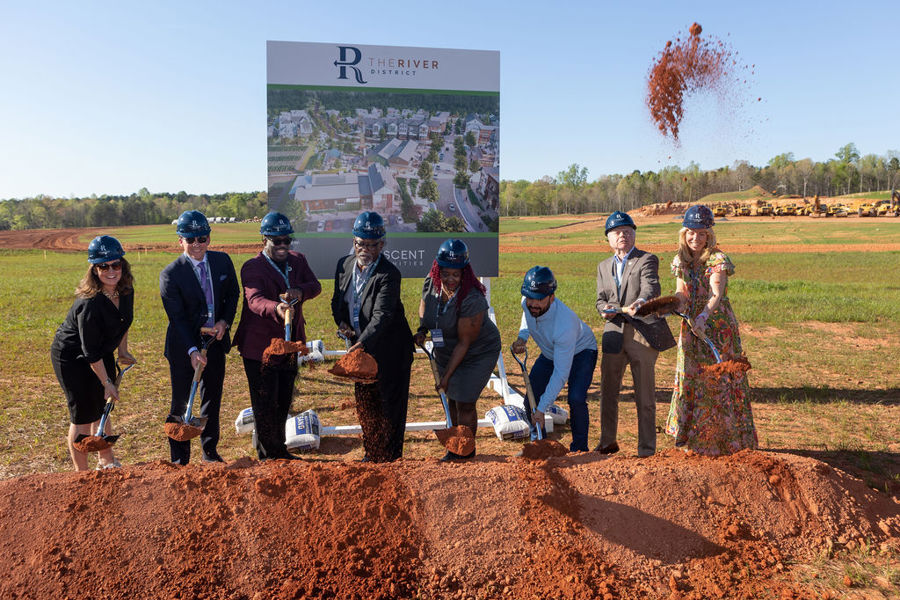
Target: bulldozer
<point>895,203</point>
<point>721,210</point>
<point>744,210</point>
<point>764,209</point>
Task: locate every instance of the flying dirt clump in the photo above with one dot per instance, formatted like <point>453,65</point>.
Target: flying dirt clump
<point>685,67</point>
<point>358,365</point>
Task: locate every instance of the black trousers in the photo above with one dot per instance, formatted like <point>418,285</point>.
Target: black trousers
<point>381,408</point>
<point>271,393</point>
<point>209,397</point>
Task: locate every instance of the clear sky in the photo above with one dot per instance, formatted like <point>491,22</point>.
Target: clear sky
<point>109,97</point>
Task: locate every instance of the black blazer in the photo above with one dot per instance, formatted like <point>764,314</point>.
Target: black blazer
<point>185,305</point>
<point>385,333</point>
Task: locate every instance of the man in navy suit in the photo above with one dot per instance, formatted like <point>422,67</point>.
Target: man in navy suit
<point>198,289</point>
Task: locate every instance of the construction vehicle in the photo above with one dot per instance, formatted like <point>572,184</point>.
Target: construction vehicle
<point>895,203</point>
<point>744,210</point>
<point>764,209</point>
<point>840,210</point>
<point>721,210</point>
<point>883,208</point>
<point>866,209</point>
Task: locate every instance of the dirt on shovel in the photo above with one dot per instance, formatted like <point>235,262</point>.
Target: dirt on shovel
<point>458,439</point>
<point>279,346</point>
<point>358,365</point>
<point>661,307</point>
<point>182,432</point>
<point>92,443</point>
<point>734,367</point>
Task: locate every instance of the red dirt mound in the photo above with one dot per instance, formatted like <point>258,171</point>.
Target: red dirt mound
<point>182,432</point>
<point>582,526</point>
<point>459,439</point>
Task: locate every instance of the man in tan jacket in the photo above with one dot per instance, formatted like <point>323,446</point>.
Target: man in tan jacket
<point>625,281</point>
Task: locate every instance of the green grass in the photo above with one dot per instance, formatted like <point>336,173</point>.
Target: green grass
<point>820,329</point>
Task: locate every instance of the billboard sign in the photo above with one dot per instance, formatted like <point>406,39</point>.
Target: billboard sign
<point>411,133</point>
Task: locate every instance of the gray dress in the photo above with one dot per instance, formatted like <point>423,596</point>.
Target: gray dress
<point>476,367</point>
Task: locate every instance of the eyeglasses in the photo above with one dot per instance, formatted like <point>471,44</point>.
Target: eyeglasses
<point>366,245</point>
<point>281,241</point>
<point>115,266</point>
<point>200,239</point>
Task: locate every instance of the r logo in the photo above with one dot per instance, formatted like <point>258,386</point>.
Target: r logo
<point>344,62</point>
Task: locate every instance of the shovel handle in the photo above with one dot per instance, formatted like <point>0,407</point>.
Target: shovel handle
<point>529,393</point>
<point>701,336</point>
<point>437,383</point>
<point>110,404</point>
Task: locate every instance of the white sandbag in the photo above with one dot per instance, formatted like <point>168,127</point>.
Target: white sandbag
<point>559,414</point>
<point>316,352</point>
<point>302,432</point>
<point>245,423</point>
<point>510,422</point>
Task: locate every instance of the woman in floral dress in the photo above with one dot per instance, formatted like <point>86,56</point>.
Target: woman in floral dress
<point>709,414</point>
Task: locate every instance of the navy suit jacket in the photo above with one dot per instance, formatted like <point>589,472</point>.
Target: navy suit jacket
<point>185,305</point>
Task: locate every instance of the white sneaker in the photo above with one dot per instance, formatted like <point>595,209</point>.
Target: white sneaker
<point>115,464</point>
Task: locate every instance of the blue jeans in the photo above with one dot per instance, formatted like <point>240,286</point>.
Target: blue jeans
<point>580,376</point>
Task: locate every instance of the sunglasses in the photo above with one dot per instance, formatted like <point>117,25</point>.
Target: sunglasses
<point>200,239</point>
<point>281,241</point>
<point>115,266</point>
<point>366,245</point>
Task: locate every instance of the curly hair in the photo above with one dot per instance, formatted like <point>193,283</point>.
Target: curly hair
<point>687,256</point>
<point>467,282</point>
<point>90,285</point>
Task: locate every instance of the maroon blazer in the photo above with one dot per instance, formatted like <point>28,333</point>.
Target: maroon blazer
<point>263,283</point>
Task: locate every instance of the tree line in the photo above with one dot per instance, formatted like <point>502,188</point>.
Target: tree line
<point>571,192</point>
<point>140,208</point>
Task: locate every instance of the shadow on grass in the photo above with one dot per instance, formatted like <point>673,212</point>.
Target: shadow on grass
<point>786,395</point>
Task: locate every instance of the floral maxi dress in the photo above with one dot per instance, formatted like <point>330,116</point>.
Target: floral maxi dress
<point>709,415</point>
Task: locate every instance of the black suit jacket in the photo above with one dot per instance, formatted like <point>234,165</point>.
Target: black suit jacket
<point>185,305</point>
<point>385,333</point>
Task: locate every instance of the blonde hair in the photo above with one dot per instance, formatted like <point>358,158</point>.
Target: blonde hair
<point>687,256</point>
<point>90,285</point>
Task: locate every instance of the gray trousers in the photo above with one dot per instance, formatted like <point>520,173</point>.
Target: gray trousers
<point>642,358</point>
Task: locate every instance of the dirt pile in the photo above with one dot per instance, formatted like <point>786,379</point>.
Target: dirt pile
<point>586,526</point>
<point>684,67</point>
<point>182,432</point>
<point>91,443</point>
<point>357,365</point>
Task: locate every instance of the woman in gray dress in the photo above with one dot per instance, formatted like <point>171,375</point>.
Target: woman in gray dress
<point>454,311</point>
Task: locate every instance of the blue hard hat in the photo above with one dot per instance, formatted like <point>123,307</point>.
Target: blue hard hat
<point>192,223</point>
<point>453,254</point>
<point>539,283</point>
<point>104,248</point>
<point>698,217</point>
<point>617,219</point>
<point>275,223</point>
<point>369,226</point>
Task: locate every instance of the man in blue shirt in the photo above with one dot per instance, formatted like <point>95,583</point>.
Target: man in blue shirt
<point>568,353</point>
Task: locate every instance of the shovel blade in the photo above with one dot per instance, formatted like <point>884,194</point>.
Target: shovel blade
<point>458,440</point>
<point>110,439</point>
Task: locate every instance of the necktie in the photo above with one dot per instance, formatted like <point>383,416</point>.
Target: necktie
<point>207,292</point>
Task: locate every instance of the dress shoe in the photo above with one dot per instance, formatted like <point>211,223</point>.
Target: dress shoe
<point>454,457</point>
<point>611,449</point>
<point>212,457</point>
<point>285,456</point>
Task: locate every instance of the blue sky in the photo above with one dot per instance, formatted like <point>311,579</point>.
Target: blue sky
<point>108,97</point>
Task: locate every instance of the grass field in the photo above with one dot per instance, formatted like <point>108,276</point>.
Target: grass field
<point>822,330</point>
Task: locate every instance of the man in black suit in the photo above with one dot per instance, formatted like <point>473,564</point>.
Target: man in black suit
<point>367,309</point>
<point>198,289</point>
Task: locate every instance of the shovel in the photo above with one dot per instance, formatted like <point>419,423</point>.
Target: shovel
<point>665,306</point>
<point>285,346</point>
<point>531,405</point>
<point>182,428</point>
<point>457,439</point>
<point>94,443</point>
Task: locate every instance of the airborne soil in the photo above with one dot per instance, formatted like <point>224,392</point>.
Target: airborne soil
<point>674,525</point>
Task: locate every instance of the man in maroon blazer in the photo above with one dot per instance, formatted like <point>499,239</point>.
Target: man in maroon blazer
<point>273,272</point>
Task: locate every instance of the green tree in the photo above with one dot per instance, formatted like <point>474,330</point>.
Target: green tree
<point>470,139</point>
<point>425,170</point>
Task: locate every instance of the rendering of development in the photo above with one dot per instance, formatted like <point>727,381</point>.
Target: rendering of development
<point>423,169</point>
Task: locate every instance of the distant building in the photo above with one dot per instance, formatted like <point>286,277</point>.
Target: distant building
<point>489,187</point>
<point>375,189</point>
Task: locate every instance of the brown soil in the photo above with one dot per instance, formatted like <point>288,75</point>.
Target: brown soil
<point>357,365</point>
<point>279,346</point>
<point>182,432</point>
<point>733,368</point>
<point>682,68</point>
<point>458,439</point>
<point>543,449</point>
<point>92,443</point>
<point>576,526</point>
